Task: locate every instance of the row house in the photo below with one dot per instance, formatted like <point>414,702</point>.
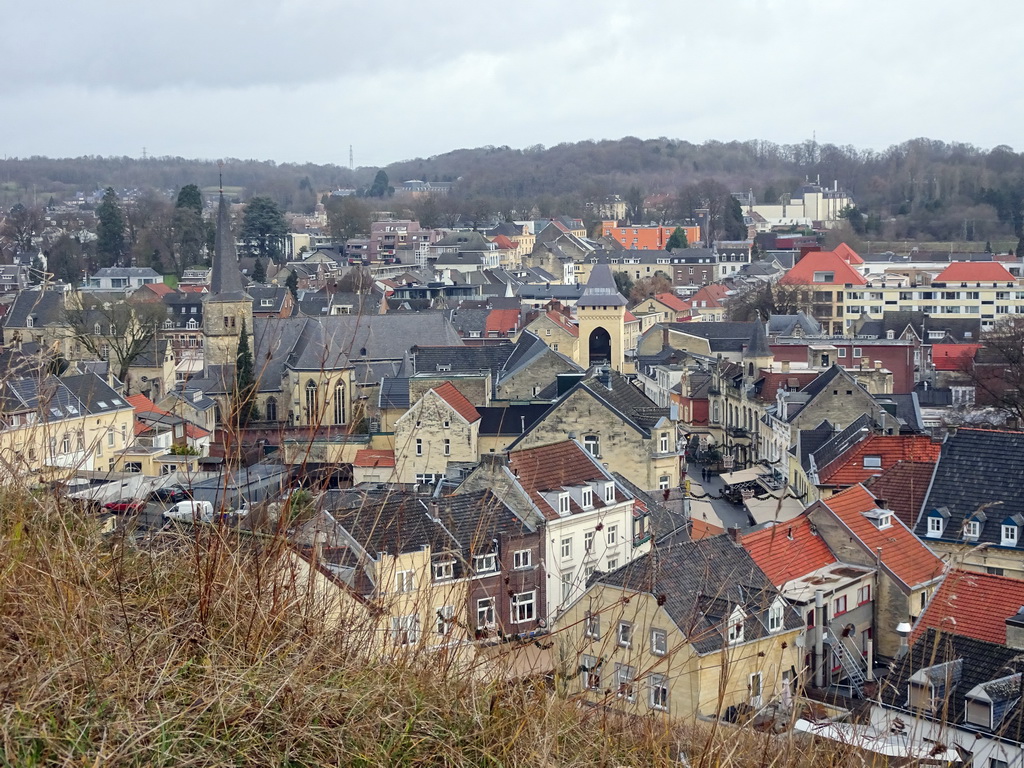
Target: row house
<point>693,629</point>
<point>589,521</point>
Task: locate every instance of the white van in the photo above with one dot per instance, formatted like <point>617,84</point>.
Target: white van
<point>191,511</point>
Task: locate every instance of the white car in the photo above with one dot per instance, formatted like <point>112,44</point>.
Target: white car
<point>191,511</point>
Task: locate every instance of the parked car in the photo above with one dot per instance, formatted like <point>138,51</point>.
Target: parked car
<point>190,511</point>
<point>125,506</point>
<point>172,493</point>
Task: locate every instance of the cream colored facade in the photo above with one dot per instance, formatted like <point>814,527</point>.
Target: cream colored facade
<point>429,436</point>
<point>988,301</point>
<point>33,447</point>
<point>742,673</point>
<point>555,335</point>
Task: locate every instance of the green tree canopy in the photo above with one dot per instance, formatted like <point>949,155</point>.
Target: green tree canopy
<point>264,229</point>
<point>677,240</point>
<point>292,284</point>
<point>624,283</point>
<point>259,272</point>
<point>245,381</point>
<point>381,186</point>
<point>189,196</point>
<point>111,245</point>
<point>347,217</point>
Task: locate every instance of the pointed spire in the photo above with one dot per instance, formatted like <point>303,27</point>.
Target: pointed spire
<point>758,344</point>
<point>227,275</point>
<point>601,289</point>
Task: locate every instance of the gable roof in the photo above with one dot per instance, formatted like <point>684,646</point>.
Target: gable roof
<point>699,584</point>
<point>972,604</point>
<point>554,467</point>
<point>849,468</point>
<point>904,486</point>
<point>847,254</point>
<point>462,359</point>
<point>709,297</point>
<point>458,401</point>
<point>978,468</point>
<point>953,357</point>
<point>788,551</point>
<point>974,272</point>
<point>899,550</point>
<point>368,457</point>
<point>503,321</point>
<point>673,302</point>
<point>803,271</point>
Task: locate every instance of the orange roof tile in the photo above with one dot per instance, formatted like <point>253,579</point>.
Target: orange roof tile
<point>158,289</point>
<point>563,321</point>
<point>788,551</point>
<point>629,317</point>
<point>711,294</point>
<point>953,357</point>
<point>501,320</point>
<point>973,605</point>
<point>672,301</point>
<point>193,289</point>
<point>974,272</point>
<point>785,379</point>
<point>847,254</point>
<point>368,457</point>
<point>553,467</point>
<point>451,395</point>
<point>900,551</point>
<point>904,487</point>
<point>848,469</point>
<point>803,271</point>
<point>143,403</point>
<point>504,243</point>
<point>702,529</point>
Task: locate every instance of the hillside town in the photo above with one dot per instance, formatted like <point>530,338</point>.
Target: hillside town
<point>684,470</point>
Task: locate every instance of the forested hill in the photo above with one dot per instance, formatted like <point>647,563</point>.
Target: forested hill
<point>945,184</point>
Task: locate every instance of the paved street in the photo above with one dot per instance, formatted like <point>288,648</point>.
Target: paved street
<point>729,515</point>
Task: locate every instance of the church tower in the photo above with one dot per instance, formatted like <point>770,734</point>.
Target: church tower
<point>227,307</point>
<point>756,353</point>
<point>601,318</point>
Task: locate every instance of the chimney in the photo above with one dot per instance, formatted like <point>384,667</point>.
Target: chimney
<point>734,534</point>
<point>1015,630</point>
<point>878,365</point>
<point>785,366</point>
<point>882,503</point>
<point>435,510</point>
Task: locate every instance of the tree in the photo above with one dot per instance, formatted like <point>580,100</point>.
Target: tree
<point>635,205</point>
<point>646,287</point>
<point>761,301</point>
<point>677,240</point>
<point>20,227</point>
<point>997,369</point>
<point>380,186</point>
<point>292,283</point>
<point>263,229</point>
<point>190,197</point>
<point>347,217</point>
<point>358,280</point>
<point>734,226</point>
<point>120,330</point>
<point>111,246</point>
<point>245,409</point>
<point>624,283</point>
<point>259,272</point>
<point>427,211</point>
<point>65,259</point>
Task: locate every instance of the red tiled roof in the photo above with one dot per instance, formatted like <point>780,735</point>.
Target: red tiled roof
<point>712,294</point>
<point>803,271</point>
<point>193,289</point>
<point>672,301</point>
<point>158,289</point>
<point>847,254</point>
<point>451,395</point>
<point>504,243</point>
<point>973,605</point>
<point>563,321</point>
<point>974,272</point>
<point>953,357</point>
<point>368,457</point>
<point>195,431</point>
<point>903,486</point>
<point>775,379</point>
<point>142,403</point>
<point>502,320</point>
<point>629,317</point>
<point>702,529</point>
<point>849,469</point>
<point>788,551</point>
<point>900,551</point>
<point>553,467</point>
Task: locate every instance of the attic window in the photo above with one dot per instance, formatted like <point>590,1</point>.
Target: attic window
<point>563,503</point>
<point>972,529</point>
<point>872,462</point>
<point>935,526</point>
<point>1008,535</point>
<point>824,277</point>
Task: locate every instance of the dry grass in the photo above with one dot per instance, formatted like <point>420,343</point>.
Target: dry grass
<point>199,655</point>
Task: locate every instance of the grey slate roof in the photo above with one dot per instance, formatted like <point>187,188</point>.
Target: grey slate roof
<point>46,307</point>
<point>601,289</point>
<point>513,420</point>
<point>725,336</point>
<point>462,359</point>
<point>626,398</point>
<point>226,280</point>
<point>791,325</point>
<point>978,467</point>
<point>701,582</point>
<point>758,344</point>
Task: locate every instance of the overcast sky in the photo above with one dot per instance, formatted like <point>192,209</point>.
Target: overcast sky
<point>297,80</point>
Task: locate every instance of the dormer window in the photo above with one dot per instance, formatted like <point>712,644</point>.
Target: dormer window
<point>1008,534</point>
<point>880,518</point>
<point>734,632</point>
<point>563,503</point>
<point>972,529</point>
<point>485,563</point>
<point>588,498</point>
<point>609,492</point>
<point>776,615</point>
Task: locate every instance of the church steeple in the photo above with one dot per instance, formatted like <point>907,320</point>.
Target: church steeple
<point>227,275</point>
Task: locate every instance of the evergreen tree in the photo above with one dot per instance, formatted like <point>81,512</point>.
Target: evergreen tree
<point>677,240</point>
<point>735,229</point>
<point>380,186</point>
<point>259,272</point>
<point>293,284</point>
<point>189,196</point>
<point>245,381</point>
<point>263,228</point>
<point>111,246</point>
<point>988,246</point>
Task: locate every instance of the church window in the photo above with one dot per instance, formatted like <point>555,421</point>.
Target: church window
<point>271,409</point>
<point>339,403</point>
<point>312,406</point>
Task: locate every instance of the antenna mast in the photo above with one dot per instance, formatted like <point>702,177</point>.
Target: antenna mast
<point>351,159</point>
